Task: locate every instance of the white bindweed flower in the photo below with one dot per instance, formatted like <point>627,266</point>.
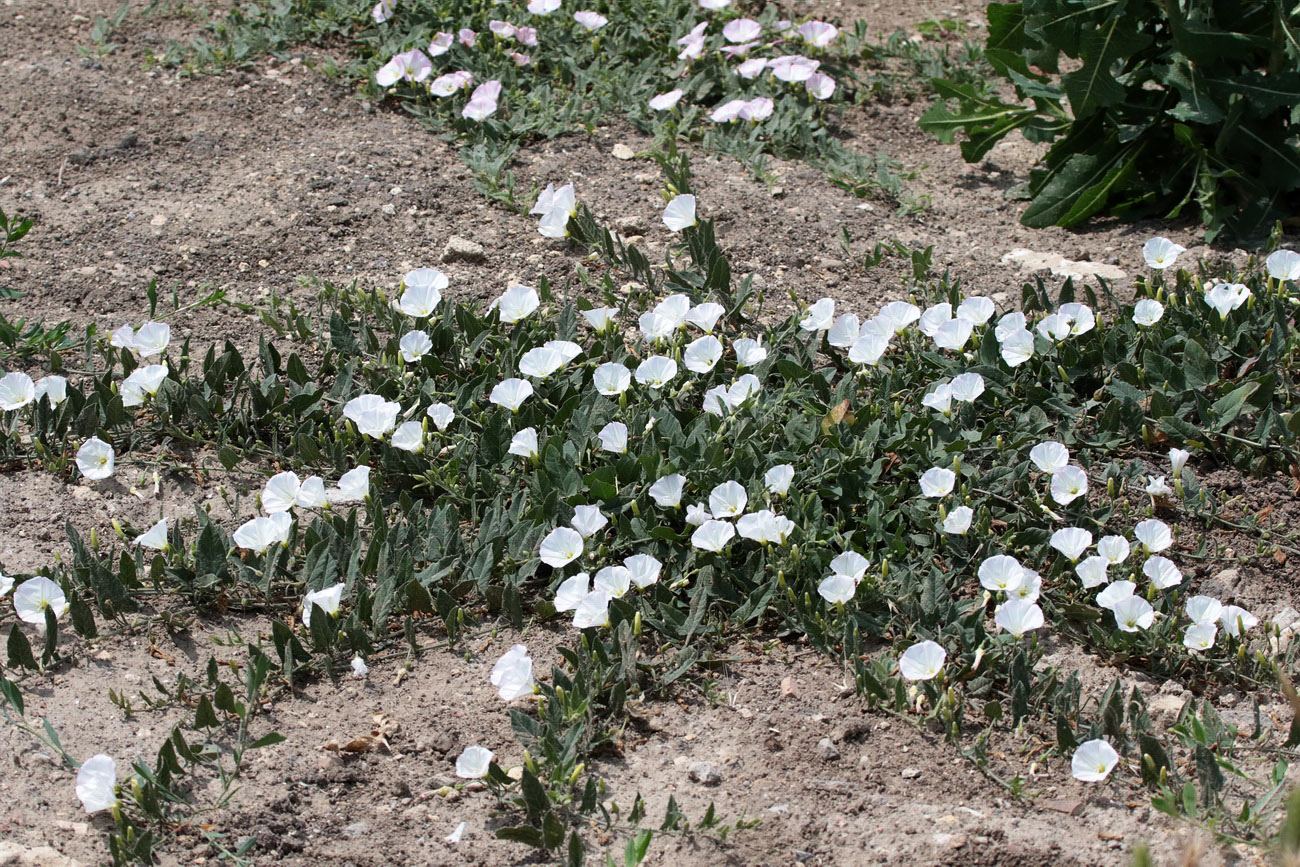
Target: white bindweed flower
<point>937,482</point>
<point>1093,761</point>
<point>765,527</point>
<point>593,610</point>
<point>818,34</point>
<point>411,65</point>
<point>6,584</point>
<point>155,538</point>
<point>680,213</point>
<point>280,493</point>
<point>601,318</point>
<point>1072,542</point>
<point>1055,327</point>
<point>1226,297</point>
<point>976,308</point>
<point>516,303</point>
<point>697,514</point>
<point>922,661</point>
<point>1115,594</point>
<point>793,68</point>
<point>35,595</point>
<point>524,443</point>
<point>588,520</point>
<point>441,415</point>
<point>311,494</point>
<point>656,371</point>
<point>1178,460</point>
<point>353,485</point>
<point>540,362</point>
<point>1283,265</point>
<point>53,387</point>
<point>1114,549</point>
<point>850,564</point>
<point>422,292</point>
<point>613,437</point>
<point>778,479</point>
<point>1133,614</point>
<point>1082,319</point>
<point>146,341</point>
<point>1158,487</point>
<point>897,315</point>
<point>513,674</point>
<point>703,354</point>
<point>749,352</point>
<point>1235,620</point>
<point>1200,636</point>
<point>1068,484</point>
<point>1162,572</point>
<point>1148,312</point>
<point>1160,253</point>
<point>666,101</point>
<point>409,437</point>
<point>95,459</point>
<point>359,668</point>
<point>966,387</point>
<point>958,520</point>
<point>868,349</point>
<point>611,379</point>
<point>644,569</point>
<point>843,332</point>
<point>97,783</point>
<point>655,328</point>
<point>542,7</point>
<point>837,589</point>
<point>414,345</point>
<point>511,393</point>
<point>614,581</point>
<point>571,591</point>
<point>728,500</point>
<point>667,491</point>
<point>819,316</point>
<point>954,334</point>
<point>16,391</point>
<point>1017,347</point>
<point>1092,571</point>
<point>327,600</point>
<point>1154,535</point>
<point>713,535</point>
<point>933,318</point>
<point>473,763</point>
<point>741,30</point>
<point>1018,616</point>
<point>1001,573</point>
<point>705,316</point>
<point>372,415</point>
<point>940,399</point>
<point>1203,609</point>
<point>142,383</point>
<point>561,547</point>
<point>1031,586</point>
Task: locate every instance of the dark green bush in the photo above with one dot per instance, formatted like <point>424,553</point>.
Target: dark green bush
<point>1163,106</point>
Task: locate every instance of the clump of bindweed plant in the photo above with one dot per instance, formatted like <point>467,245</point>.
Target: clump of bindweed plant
<point>920,491</point>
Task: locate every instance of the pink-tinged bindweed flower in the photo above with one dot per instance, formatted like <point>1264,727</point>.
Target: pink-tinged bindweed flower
<point>466,37</point>
<point>665,101</point>
<point>97,783</point>
<point>728,111</point>
<point>411,65</point>
<point>483,101</point>
<point>446,85</point>
<point>793,68</point>
<point>382,12</point>
<point>590,20</point>
<point>328,600</point>
<point>441,43</point>
<point>1093,761</point>
<point>520,59</point>
<point>96,459</point>
<point>526,36</point>
<point>35,595</point>
<point>752,68</point>
<point>741,30</point>
<point>757,109</point>
<point>504,29</point>
<point>737,50</point>
<point>473,763</point>
<point>922,661</point>
<point>818,34</point>
<point>1160,253</point>
<point>542,7</point>
<point>820,86</point>
<point>513,674</point>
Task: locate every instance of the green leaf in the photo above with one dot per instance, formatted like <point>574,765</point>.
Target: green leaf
<point>1094,86</point>
<point>20,650</point>
<point>1228,407</point>
<point>269,739</point>
<point>1199,370</point>
<point>526,834</point>
<point>11,693</point>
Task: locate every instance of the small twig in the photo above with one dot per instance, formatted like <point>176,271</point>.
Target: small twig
<point>61,168</point>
